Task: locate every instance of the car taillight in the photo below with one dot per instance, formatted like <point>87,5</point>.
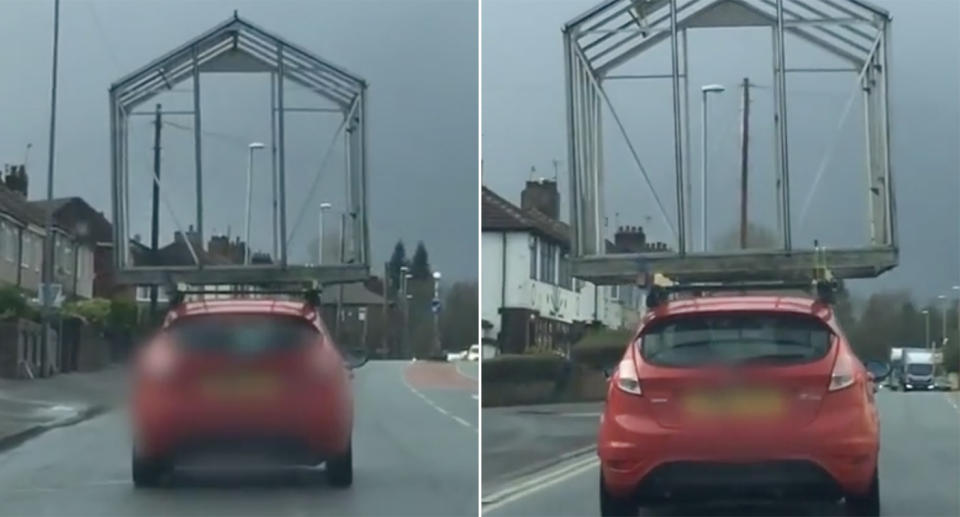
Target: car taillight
<point>626,378</point>
<point>843,371</point>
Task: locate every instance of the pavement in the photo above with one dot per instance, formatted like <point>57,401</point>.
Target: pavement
<point>518,440</point>
<point>415,453</point>
<point>29,407</point>
<point>919,470</point>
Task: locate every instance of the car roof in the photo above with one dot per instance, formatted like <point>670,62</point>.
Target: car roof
<point>242,306</point>
<point>743,303</point>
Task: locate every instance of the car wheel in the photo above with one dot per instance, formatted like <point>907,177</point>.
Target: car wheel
<point>148,472</point>
<point>340,469</point>
<point>613,506</point>
<point>868,504</point>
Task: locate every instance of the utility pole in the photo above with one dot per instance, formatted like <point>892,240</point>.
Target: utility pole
<point>383,317</point>
<point>744,161</point>
<point>47,272</point>
<point>343,224</point>
<point>155,210</point>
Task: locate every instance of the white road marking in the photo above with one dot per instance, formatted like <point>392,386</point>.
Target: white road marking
<point>439,409</point>
<point>539,482</point>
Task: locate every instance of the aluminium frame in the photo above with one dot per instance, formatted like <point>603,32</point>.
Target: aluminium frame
<point>614,32</point>
<point>236,45</point>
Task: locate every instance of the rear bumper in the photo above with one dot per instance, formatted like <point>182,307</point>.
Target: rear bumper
<point>296,431</point>
<point>824,459</point>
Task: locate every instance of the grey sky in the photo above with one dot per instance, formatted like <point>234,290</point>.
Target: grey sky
<point>524,126</point>
<point>419,57</point>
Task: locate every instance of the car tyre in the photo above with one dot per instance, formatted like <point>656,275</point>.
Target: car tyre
<point>148,472</point>
<point>613,506</point>
<point>340,469</point>
<point>868,504</point>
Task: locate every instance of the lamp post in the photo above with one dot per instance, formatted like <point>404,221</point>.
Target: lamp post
<point>436,313</point>
<point>404,276</point>
<point>323,207</point>
<point>943,321</point>
<point>956,289</point>
<point>706,90</point>
<point>246,232</point>
<point>926,335</point>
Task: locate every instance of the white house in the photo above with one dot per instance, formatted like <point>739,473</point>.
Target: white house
<point>529,299</point>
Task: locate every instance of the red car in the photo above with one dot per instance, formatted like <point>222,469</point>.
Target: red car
<point>238,377</point>
<point>739,397</point>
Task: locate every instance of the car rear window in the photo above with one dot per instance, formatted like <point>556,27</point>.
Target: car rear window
<point>735,338</point>
<point>242,333</point>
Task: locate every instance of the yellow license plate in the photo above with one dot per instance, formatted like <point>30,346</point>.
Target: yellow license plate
<point>242,386</point>
<point>738,403</point>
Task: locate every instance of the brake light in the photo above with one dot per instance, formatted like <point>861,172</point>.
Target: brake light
<point>843,372</point>
<point>627,380</point>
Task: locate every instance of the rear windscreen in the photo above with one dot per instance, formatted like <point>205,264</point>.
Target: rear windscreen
<point>735,338</point>
<point>242,333</point>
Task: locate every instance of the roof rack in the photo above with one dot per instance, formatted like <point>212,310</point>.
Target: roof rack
<point>310,292</point>
<point>820,281</point>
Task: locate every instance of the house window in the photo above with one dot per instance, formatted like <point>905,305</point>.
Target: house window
<point>27,246</point>
<point>548,263</point>
<point>533,257</point>
<point>614,292</point>
<point>10,248</point>
<point>143,294</point>
<point>37,252</point>
<point>566,280</point>
<point>67,257</point>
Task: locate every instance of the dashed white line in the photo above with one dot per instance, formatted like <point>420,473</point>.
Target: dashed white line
<point>438,408</point>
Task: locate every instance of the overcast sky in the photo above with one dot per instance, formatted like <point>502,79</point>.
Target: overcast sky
<point>524,127</point>
<point>419,57</point>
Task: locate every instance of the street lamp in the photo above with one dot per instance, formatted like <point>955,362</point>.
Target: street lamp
<point>926,335</point>
<point>943,322</point>
<point>436,312</point>
<point>246,246</point>
<point>706,90</point>
<point>956,289</point>
<point>404,276</point>
<point>323,207</point>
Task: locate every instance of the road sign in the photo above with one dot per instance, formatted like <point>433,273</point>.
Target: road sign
<point>435,305</point>
<point>52,292</point>
<point>362,313</point>
<point>938,357</point>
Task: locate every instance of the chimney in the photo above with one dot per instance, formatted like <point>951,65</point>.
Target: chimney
<point>543,196</point>
<point>630,239</point>
<point>219,245</point>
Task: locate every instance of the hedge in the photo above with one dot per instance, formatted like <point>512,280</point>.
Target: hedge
<point>601,349</point>
<point>523,368</point>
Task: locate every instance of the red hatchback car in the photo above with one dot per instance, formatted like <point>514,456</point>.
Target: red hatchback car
<point>739,397</point>
<point>242,377</point>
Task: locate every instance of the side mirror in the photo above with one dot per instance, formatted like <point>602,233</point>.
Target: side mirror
<point>878,370</point>
<point>355,358</point>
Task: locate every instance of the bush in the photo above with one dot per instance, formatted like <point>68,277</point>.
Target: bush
<point>13,305</point>
<point>601,349</point>
<point>523,368</point>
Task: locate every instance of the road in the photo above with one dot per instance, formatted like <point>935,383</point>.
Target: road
<point>415,453</point>
<point>919,471</point>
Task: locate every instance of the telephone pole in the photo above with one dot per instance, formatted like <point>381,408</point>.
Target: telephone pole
<point>155,213</point>
<point>744,160</point>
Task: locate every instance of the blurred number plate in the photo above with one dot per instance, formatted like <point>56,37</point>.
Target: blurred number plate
<point>241,386</point>
<point>735,403</point>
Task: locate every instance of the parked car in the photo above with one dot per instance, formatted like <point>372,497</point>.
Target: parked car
<point>473,354</point>
<point>231,377</point>
<point>740,397</point>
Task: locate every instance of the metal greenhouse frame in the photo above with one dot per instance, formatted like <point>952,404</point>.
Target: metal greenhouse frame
<point>615,32</point>
<point>239,46</point>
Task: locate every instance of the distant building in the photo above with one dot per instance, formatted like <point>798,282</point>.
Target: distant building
<point>529,299</point>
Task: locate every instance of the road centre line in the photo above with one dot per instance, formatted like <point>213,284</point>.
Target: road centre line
<point>439,409</point>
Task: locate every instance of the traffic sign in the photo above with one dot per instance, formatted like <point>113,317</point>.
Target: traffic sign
<point>435,305</point>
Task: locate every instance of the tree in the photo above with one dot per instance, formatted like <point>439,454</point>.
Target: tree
<point>421,263</point>
<point>458,317</point>
<point>397,260</point>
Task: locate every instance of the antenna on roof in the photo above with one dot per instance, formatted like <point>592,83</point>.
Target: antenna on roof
<point>235,15</point>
